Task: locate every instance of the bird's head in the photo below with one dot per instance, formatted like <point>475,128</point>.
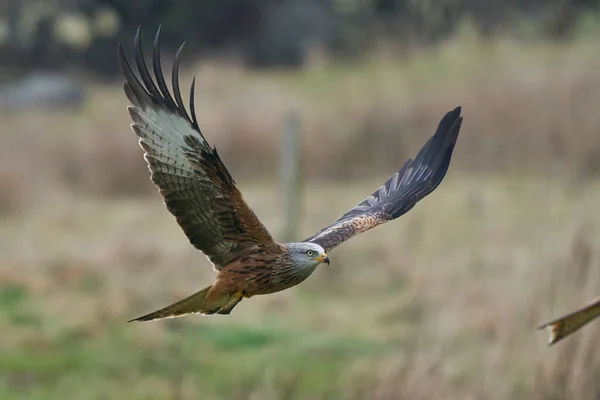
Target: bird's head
<point>307,254</point>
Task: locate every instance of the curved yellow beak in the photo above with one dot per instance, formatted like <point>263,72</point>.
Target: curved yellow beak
<point>323,258</point>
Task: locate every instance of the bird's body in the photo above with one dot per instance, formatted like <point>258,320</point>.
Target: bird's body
<point>200,192</point>
<point>260,272</point>
<point>265,273</point>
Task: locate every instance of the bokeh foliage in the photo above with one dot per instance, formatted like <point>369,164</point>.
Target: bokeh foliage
<point>82,33</point>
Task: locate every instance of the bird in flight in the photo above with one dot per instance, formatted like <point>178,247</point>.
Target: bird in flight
<point>572,322</point>
<point>200,192</point>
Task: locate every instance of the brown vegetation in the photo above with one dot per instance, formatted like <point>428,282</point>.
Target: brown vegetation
<point>440,304</point>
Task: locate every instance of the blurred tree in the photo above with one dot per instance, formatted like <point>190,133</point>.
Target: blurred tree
<point>82,33</point>
<point>289,30</point>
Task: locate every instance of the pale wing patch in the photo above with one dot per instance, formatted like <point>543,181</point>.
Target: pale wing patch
<point>166,139</point>
<point>175,130</point>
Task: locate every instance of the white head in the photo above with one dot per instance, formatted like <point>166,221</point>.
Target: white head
<point>306,254</point>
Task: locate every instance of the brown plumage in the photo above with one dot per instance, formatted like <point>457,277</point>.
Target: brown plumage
<point>567,324</point>
<point>201,194</point>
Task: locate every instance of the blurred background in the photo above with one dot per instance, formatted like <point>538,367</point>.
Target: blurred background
<point>440,304</point>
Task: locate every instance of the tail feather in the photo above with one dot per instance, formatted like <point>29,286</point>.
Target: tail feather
<point>196,303</point>
<point>572,322</point>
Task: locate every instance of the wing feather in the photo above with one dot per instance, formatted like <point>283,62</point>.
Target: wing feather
<point>415,180</point>
<point>196,186</point>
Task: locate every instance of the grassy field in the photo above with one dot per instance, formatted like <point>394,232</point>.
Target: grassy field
<point>442,303</point>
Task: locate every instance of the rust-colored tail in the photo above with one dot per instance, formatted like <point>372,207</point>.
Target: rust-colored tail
<point>196,303</point>
<point>567,324</point>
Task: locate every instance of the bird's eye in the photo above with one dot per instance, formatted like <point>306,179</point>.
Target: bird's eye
<point>310,253</point>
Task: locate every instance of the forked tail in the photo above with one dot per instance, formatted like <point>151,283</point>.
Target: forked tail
<point>567,324</point>
<point>201,302</point>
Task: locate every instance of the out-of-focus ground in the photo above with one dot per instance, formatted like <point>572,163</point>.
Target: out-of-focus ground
<point>440,304</point>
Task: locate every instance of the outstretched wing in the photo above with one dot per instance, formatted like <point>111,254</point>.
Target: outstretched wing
<point>415,180</point>
<point>567,324</point>
<point>195,184</point>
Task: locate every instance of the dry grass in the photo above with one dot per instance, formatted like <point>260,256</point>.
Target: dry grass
<point>441,304</point>
<point>528,108</point>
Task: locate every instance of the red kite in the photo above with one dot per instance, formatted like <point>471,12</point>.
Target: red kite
<point>202,195</point>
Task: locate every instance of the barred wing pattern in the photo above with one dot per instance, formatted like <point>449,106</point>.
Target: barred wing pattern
<point>415,180</point>
<point>195,184</point>
<point>572,322</point>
